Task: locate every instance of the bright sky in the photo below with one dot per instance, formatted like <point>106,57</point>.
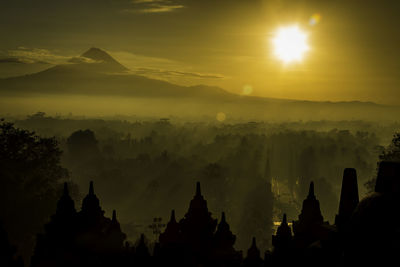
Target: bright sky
<point>353,44</point>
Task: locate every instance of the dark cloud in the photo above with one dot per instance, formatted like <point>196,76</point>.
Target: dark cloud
<point>22,61</point>
<point>12,60</point>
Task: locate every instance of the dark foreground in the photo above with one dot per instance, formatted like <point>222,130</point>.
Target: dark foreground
<point>365,233</point>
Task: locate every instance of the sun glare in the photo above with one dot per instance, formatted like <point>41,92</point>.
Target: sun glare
<point>290,44</point>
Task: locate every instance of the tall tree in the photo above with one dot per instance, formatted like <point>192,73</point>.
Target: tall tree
<point>30,175</point>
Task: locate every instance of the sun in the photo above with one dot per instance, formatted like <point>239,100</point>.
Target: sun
<point>290,44</point>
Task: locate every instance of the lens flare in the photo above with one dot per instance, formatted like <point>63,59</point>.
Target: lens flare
<point>290,44</point>
<point>247,89</point>
<point>221,116</point>
<point>315,19</point>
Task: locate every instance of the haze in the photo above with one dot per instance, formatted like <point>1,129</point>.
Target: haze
<point>221,43</point>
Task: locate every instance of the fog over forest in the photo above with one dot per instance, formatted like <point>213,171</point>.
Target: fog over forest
<point>253,171</point>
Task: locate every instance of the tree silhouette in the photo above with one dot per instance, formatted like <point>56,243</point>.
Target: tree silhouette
<point>7,251</point>
<point>390,153</point>
<point>82,144</point>
<point>30,172</point>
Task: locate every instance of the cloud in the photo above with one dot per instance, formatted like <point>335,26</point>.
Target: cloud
<point>186,78</point>
<point>132,61</point>
<point>154,6</point>
<point>78,60</point>
<point>36,55</point>
<point>162,68</point>
<point>174,73</point>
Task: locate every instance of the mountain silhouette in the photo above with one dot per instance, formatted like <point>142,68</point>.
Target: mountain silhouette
<point>99,55</point>
<point>96,59</point>
<point>96,73</point>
